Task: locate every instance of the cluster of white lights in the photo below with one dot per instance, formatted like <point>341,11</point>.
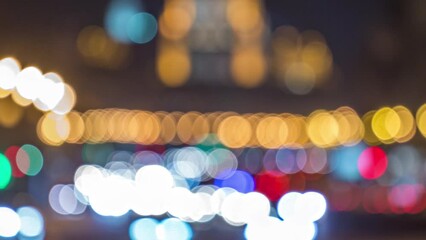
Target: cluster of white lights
<point>26,222</point>
<point>154,190</point>
<point>299,213</point>
<point>47,92</point>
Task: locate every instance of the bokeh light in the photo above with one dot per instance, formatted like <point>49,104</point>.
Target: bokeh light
<point>62,199</point>
<point>287,160</point>
<point>141,28</point>
<point>29,159</point>
<point>311,206</point>
<point>177,19</point>
<point>344,162</point>
<point>248,66</point>
<point>67,103</point>
<point>53,129</point>
<point>28,83</point>
<point>10,223</point>
<point>237,208</point>
<point>299,213</point>
<point>173,65</point>
<point>267,227</point>
<point>369,137</point>
<point>405,196</point>
<point>240,181</point>
<point>408,125</point>
<point>386,124</point>
<point>32,222</point>
<point>174,229</point>
<point>14,115</point>
<point>9,68</point>
<point>286,205</point>
<point>250,160</point>
<point>52,91</point>
<point>405,163</point>
<point>77,127</point>
<point>234,131</point>
<point>316,161</point>
<point>272,132</point>
<point>10,153</point>
<point>5,172</point>
<point>190,162</point>
<point>372,163</point>
<point>168,229</point>
<point>300,230</point>
<point>222,163</point>
<point>192,128</point>
<point>144,228</point>
<point>244,16</point>
<point>323,129</point>
<point>421,119</point>
<point>306,207</point>
<point>272,184</point>
<point>117,17</point>
<point>69,202</point>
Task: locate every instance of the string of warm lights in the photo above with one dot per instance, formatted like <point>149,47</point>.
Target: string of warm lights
<point>321,128</point>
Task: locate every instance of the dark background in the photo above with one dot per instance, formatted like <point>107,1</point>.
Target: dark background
<point>378,49</point>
